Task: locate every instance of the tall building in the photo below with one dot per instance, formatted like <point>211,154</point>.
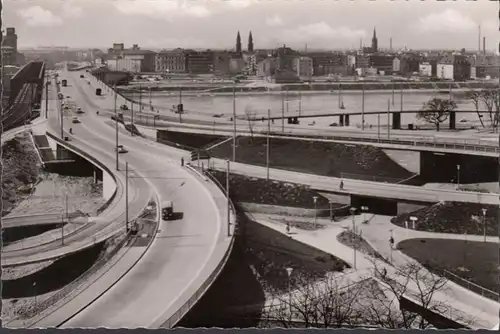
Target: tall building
<point>250,42</point>
<point>9,47</point>
<point>374,41</point>
<point>238,42</point>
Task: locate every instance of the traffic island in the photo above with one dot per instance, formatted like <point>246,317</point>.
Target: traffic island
<point>472,264</point>
<point>315,157</point>
<point>352,240</point>
<point>453,217</point>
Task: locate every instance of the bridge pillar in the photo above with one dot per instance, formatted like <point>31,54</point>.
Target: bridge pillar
<point>95,176</point>
<point>346,119</point>
<point>341,120</point>
<point>396,121</point>
<point>453,120</point>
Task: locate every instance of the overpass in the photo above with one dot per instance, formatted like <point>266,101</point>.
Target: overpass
<point>186,254</point>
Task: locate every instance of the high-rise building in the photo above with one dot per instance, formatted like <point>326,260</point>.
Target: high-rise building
<point>238,42</point>
<point>9,47</point>
<point>374,41</point>
<point>250,42</point>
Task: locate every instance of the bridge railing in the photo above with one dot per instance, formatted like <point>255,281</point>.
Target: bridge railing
<point>375,178</point>
<point>177,316</point>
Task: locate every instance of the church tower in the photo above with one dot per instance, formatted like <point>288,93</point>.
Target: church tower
<point>238,42</point>
<point>374,41</point>
<point>250,43</point>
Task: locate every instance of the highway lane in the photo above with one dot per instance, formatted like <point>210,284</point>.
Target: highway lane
<point>183,253</point>
<point>139,195</point>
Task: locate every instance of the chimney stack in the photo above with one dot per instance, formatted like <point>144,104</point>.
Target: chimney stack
<point>390,44</point>
<point>484,46</point>
<point>479,39</point>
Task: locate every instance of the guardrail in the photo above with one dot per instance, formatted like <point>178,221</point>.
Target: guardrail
<point>208,282</point>
<point>96,162</point>
<point>471,286</point>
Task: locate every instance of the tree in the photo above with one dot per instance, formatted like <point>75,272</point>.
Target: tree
<point>250,115</point>
<point>414,282</point>
<point>489,97</point>
<point>475,97</point>
<point>436,111</point>
<point>330,303</point>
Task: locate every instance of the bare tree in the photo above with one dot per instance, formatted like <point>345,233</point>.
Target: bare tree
<point>250,116</point>
<point>475,97</point>
<point>329,303</point>
<point>489,97</point>
<point>413,282</point>
<point>436,111</point>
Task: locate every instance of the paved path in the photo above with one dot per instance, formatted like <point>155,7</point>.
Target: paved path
<point>183,254</point>
<point>482,309</point>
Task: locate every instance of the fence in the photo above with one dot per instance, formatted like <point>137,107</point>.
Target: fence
<point>471,286</point>
<point>211,278</point>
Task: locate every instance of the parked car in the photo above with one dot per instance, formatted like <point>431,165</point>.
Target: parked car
<point>123,107</point>
<point>121,149</point>
<point>75,120</point>
<point>79,110</point>
<point>82,76</point>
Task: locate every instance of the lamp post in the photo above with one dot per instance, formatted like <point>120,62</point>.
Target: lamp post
<point>413,220</point>
<point>364,209</point>
<point>234,121</point>
<point>34,291</point>
<point>116,132</point>
<point>228,201</point>
<point>484,223</point>
<point>289,271</point>
<point>331,210</point>
<point>126,197</point>
<point>353,211</point>
<point>391,243</point>
<point>268,147</point>
<point>155,117</point>
<point>315,199</point>
<point>458,177</point>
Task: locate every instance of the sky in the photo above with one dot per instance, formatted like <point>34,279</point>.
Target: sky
<point>324,24</point>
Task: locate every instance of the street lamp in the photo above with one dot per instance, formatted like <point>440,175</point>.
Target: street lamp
<point>458,177</point>
<point>315,199</point>
<point>364,209</point>
<point>391,243</point>
<point>484,223</point>
<point>228,201</point>
<point>289,271</point>
<point>353,211</point>
<point>331,210</point>
<point>34,291</point>
<point>413,220</point>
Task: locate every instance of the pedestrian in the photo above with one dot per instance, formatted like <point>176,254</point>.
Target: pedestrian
<point>287,227</point>
<point>71,130</point>
<point>341,184</point>
<point>182,161</point>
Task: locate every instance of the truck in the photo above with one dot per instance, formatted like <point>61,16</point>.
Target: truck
<point>64,82</point>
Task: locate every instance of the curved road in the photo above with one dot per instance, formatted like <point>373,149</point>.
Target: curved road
<point>183,254</point>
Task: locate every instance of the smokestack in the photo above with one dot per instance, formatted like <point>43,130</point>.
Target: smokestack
<point>390,44</point>
<point>484,45</point>
<point>479,39</point>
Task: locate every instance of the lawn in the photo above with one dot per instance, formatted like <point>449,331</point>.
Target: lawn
<point>261,191</point>
<point>321,158</point>
<point>453,217</point>
<point>474,261</point>
<point>188,140</point>
<point>350,239</point>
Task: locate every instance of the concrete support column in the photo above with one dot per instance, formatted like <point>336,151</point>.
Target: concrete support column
<point>396,121</point>
<point>453,120</point>
<point>341,120</point>
<point>95,176</point>
<point>346,120</point>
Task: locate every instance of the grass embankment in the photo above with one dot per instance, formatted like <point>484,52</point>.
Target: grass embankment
<point>453,217</point>
<point>320,158</point>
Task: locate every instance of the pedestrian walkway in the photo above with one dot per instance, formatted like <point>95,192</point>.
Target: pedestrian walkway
<point>482,311</point>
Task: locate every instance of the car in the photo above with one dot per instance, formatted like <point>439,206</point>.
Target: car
<point>82,76</point>
<point>123,107</point>
<point>167,210</point>
<point>79,110</point>
<point>75,120</point>
<point>68,97</point>
<point>121,149</point>
<point>66,107</point>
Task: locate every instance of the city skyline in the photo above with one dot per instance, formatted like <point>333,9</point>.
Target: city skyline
<point>328,25</point>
